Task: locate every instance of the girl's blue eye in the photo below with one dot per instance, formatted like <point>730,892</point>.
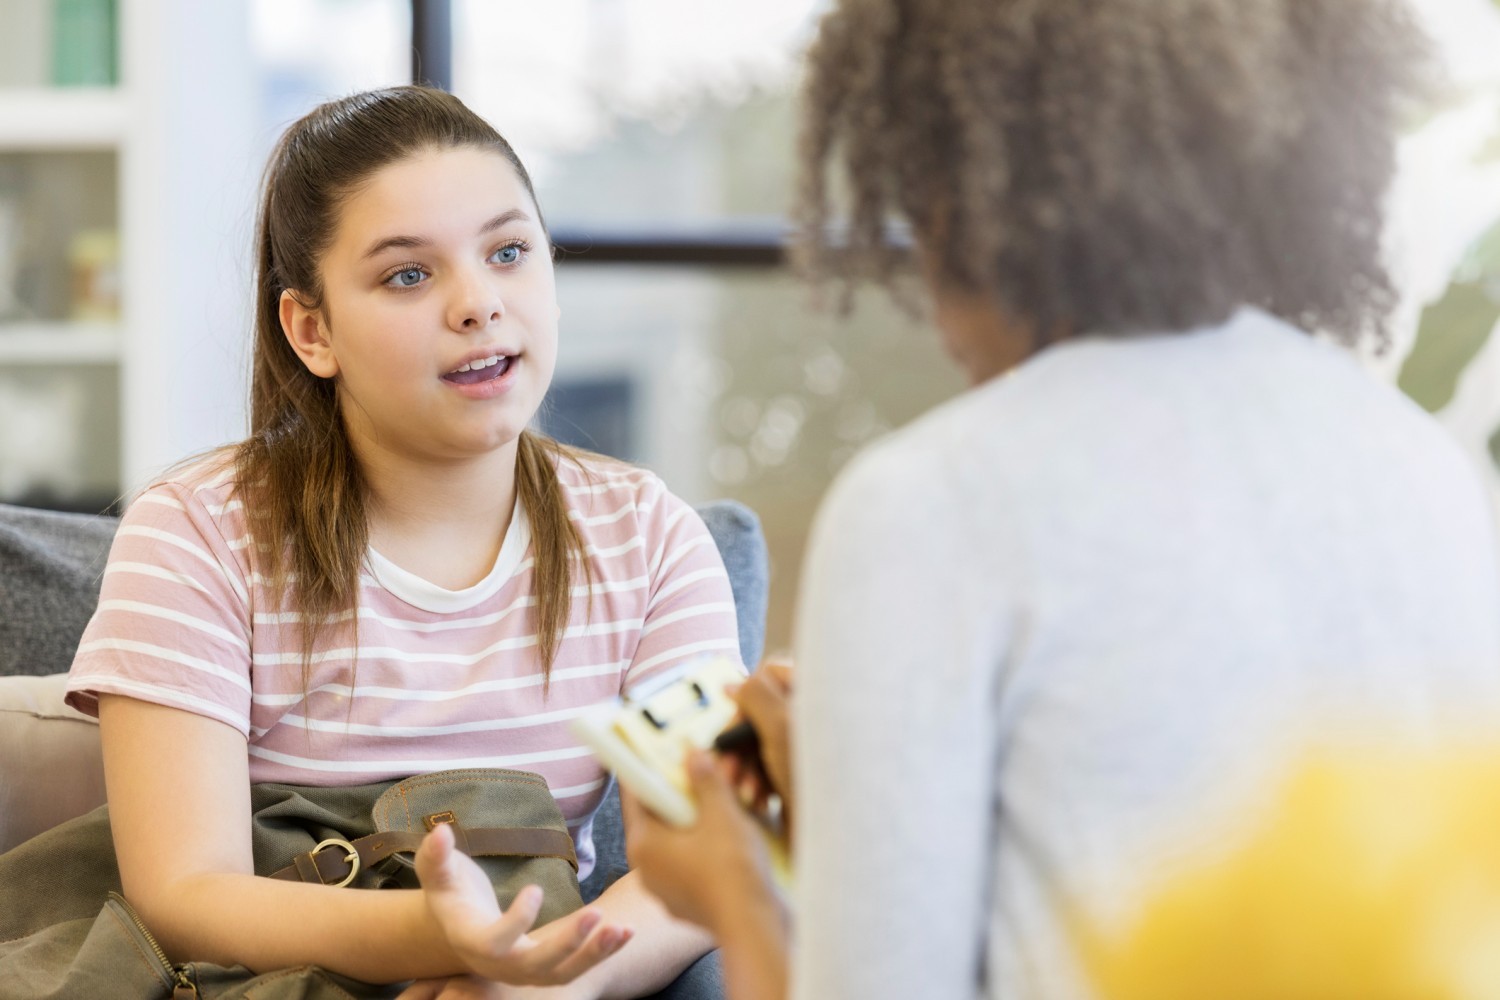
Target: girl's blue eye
<point>406,279</point>
<point>507,255</point>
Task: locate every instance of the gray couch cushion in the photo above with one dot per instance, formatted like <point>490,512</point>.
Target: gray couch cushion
<point>736,531</point>
<point>50,566</point>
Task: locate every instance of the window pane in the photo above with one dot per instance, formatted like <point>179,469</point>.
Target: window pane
<point>312,50</point>
<point>1445,236</point>
<point>648,111</point>
<point>737,388</point>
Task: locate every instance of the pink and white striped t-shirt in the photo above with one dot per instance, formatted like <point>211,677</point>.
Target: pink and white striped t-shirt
<point>443,679</point>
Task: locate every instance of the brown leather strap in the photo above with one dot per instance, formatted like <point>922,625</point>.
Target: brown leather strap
<point>330,865</point>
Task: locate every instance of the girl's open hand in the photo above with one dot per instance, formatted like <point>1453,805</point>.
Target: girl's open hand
<point>500,945</point>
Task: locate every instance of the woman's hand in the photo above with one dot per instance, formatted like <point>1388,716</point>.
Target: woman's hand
<point>500,945</point>
<point>703,872</point>
<point>765,700</point>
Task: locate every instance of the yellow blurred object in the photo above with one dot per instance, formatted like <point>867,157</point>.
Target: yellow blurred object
<point>1375,876</point>
<point>94,258</point>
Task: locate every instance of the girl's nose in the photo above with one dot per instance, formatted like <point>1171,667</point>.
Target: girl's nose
<point>475,304</point>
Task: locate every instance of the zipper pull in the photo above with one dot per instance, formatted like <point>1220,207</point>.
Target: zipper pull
<point>183,987</point>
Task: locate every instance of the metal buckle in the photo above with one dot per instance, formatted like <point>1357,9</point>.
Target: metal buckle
<point>432,821</point>
<point>351,859</point>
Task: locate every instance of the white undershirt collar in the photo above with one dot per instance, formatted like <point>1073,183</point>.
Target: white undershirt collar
<point>428,596</point>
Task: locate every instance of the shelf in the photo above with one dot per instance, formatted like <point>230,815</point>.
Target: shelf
<point>33,343</point>
<point>165,159</point>
<point>42,118</point>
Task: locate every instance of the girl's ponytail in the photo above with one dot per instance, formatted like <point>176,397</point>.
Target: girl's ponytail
<point>555,540</point>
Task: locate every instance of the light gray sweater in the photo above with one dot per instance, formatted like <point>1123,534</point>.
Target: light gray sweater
<point>1058,635</point>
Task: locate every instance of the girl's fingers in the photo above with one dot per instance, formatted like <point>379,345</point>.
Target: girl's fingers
<point>496,939</point>
<point>571,940</point>
<point>553,954</point>
<point>463,902</point>
<point>433,855</point>
<point>604,943</point>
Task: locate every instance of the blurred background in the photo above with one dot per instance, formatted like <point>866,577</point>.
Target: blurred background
<point>660,134</point>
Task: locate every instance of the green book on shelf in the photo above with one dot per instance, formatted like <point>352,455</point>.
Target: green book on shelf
<point>83,43</point>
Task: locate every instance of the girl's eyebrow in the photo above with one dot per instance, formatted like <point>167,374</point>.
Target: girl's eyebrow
<point>503,219</point>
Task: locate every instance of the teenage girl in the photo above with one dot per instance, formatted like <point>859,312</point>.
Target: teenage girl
<point>390,576</point>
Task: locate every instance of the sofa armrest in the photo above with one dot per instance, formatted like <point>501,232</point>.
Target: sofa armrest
<point>50,766</point>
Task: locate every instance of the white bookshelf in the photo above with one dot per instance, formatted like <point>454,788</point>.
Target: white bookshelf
<point>56,118</point>
<point>61,343</point>
<point>167,379</point>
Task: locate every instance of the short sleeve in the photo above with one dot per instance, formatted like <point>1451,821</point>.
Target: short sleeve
<point>174,617</point>
<point>690,611</point>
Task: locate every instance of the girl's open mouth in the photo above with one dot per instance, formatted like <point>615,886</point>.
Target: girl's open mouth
<point>484,370</point>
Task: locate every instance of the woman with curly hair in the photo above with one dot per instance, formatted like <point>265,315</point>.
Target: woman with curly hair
<point>1058,634</point>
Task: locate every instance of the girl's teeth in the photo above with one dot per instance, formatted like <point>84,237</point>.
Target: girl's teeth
<point>492,360</point>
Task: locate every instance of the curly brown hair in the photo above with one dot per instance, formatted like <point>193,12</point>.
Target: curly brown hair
<point>1115,166</point>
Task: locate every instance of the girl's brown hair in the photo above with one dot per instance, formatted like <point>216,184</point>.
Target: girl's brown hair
<point>1113,166</point>
<point>302,488</point>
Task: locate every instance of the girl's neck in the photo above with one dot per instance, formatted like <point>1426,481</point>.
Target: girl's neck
<point>445,522</point>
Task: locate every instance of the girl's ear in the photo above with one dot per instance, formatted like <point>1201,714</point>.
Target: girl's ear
<point>304,330</point>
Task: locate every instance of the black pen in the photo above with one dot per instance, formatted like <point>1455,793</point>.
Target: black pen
<point>740,739</point>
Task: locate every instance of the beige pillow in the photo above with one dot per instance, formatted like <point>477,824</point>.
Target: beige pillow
<point>50,767</point>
